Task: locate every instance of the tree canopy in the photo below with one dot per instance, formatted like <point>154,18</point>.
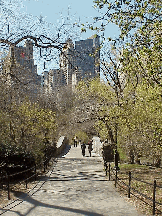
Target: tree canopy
<point>129,100</point>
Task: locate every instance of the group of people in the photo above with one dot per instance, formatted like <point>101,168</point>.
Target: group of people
<point>83,146</point>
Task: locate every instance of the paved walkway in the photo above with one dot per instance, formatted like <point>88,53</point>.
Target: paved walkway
<point>76,186</point>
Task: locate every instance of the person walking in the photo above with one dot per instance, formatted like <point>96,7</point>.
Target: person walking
<point>75,141</point>
<point>83,147</point>
<point>90,147</point>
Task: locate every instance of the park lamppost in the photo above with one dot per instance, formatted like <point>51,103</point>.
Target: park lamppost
<point>116,160</point>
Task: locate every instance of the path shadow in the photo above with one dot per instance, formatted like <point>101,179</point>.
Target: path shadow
<point>80,175</point>
<point>25,197</point>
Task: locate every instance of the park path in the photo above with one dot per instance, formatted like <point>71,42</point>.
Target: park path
<point>76,186</point>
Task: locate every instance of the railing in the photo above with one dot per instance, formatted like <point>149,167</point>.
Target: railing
<point>36,188</point>
<point>32,191</point>
<point>27,172</point>
<point>33,169</point>
<point>113,173</point>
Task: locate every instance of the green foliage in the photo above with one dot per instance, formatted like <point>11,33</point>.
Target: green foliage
<point>105,98</point>
<point>144,117</point>
<point>83,30</point>
<point>138,117</point>
<point>140,25</point>
<point>132,166</point>
<point>81,135</point>
<point>27,128</point>
<point>123,155</point>
<point>135,105</point>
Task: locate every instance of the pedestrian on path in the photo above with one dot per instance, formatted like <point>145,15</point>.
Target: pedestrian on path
<point>75,141</point>
<point>90,147</point>
<point>83,147</point>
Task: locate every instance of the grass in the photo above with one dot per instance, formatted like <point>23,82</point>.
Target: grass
<point>147,174</point>
<point>123,156</point>
<point>129,167</point>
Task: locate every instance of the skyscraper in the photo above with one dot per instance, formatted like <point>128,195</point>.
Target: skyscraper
<point>20,70</point>
<point>78,61</point>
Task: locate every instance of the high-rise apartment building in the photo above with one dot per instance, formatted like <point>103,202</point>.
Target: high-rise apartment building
<point>20,70</point>
<point>77,61</point>
<point>52,80</point>
<point>24,56</point>
<point>87,58</point>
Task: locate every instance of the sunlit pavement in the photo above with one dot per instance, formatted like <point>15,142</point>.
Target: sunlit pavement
<point>77,186</point>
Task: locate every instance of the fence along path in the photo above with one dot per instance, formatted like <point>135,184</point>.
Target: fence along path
<point>76,186</point>
<point>151,201</point>
<point>5,181</point>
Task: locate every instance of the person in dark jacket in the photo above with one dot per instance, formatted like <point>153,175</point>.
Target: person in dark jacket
<point>83,147</point>
<point>90,147</point>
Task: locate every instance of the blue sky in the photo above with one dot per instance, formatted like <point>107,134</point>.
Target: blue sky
<point>52,10</point>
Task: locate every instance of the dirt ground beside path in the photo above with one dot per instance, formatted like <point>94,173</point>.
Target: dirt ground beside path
<point>77,186</point>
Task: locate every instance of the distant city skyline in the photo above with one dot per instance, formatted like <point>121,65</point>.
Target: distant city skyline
<point>75,65</point>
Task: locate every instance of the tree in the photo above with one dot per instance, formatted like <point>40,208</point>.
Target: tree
<point>81,135</point>
<point>48,38</point>
<point>26,128</point>
<point>100,99</point>
<point>141,122</point>
<point>139,62</point>
<point>140,38</point>
<point>30,121</point>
